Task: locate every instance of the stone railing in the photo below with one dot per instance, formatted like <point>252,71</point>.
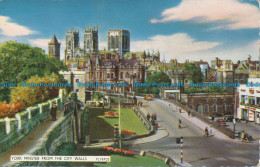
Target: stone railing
<point>12,130</point>
<point>143,118</point>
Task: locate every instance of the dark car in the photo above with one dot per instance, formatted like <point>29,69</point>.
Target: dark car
<point>228,118</point>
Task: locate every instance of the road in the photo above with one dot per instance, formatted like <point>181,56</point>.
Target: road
<point>197,150</point>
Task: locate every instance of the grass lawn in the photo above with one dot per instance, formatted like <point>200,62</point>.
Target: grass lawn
<point>103,128</point>
<point>117,160</point>
<point>136,160</point>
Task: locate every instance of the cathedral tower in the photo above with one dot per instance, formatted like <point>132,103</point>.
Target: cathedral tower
<point>91,40</point>
<point>72,43</point>
<point>54,48</point>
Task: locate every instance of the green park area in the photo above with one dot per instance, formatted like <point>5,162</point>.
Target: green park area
<point>103,128</point>
<point>117,160</point>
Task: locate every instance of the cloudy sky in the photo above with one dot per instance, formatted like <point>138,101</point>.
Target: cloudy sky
<point>182,29</point>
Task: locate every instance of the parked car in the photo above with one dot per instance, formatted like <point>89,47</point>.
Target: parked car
<point>148,97</point>
<point>221,122</point>
<point>228,118</point>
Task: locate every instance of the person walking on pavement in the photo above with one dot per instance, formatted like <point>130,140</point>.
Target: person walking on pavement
<point>148,117</point>
<point>206,132</point>
<point>179,124</point>
<point>53,112</point>
<point>179,109</point>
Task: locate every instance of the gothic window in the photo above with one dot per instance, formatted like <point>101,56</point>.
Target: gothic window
<point>112,75</point>
<point>88,43</point>
<point>69,45</point>
<point>122,75</point>
<point>108,75</point>
<point>139,75</point>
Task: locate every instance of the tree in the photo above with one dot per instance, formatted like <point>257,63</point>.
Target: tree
<point>32,94</point>
<point>157,77</point>
<point>19,62</point>
<point>197,75</point>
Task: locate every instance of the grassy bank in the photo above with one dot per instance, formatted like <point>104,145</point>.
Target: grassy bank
<point>103,128</point>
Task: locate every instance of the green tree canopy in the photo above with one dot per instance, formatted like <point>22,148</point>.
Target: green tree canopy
<point>197,75</point>
<point>158,77</point>
<point>19,62</point>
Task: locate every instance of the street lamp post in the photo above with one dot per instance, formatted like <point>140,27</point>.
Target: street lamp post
<point>119,119</point>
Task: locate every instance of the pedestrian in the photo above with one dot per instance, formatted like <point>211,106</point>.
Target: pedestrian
<point>210,130</point>
<point>156,125</point>
<point>179,123</point>
<point>155,117</point>
<point>148,117</point>
<point>169,105</point>
<point>243,136</point>
<point>179,109</point>
<point>53,112</point>
<point>206,131</point>
<point>189,113</point>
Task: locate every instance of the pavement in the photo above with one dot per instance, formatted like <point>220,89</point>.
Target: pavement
<point>28,142</point>
<point>200,124</point>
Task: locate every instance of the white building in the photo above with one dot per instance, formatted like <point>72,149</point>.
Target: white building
<point>249,100</point>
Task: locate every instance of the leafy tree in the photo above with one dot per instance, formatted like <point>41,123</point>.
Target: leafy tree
<point>159,78</point>
<point>197,75</point>
<point>19,62</point>
<point>31,95</point>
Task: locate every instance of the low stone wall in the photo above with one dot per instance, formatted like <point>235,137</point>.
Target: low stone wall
<point>12,130</point>
<point>60,132</point>
<point>167,160</point>
<point>143,118</point>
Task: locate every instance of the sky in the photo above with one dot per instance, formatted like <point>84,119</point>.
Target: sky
<point>181,29</point>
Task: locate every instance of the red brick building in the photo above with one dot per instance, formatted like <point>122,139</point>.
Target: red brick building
<point>211,103</point>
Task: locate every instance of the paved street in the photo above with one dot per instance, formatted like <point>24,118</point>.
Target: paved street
<point>198,150</point>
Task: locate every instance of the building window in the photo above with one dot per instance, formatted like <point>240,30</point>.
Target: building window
<point>215,99</point>
<point>206,100</point>
<point>77,80</point>
<point>224,107</point>
<point>243,99</point>
<point>251,100</point>
<point>191,99</point>
<point>112,75</point>
<point>215,108</point>
<point>191,106</point>
<point>224,99</point>
<point>139,75</point>
<point>108,75</point>
<point>206,108</point>
<point>122,75</point>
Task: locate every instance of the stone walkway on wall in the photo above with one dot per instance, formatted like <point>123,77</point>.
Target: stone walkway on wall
<point>29,141</point>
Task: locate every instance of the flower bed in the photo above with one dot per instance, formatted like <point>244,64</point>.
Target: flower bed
<point>118,151</point>
<point>125,133</point>
<point>111,115</point>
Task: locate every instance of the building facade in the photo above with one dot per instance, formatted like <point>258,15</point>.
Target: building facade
<point>211,103</point>
<point>249,101</point>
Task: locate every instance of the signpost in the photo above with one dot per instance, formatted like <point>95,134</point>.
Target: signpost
<point>234,123</point>
<point>180,141</point>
